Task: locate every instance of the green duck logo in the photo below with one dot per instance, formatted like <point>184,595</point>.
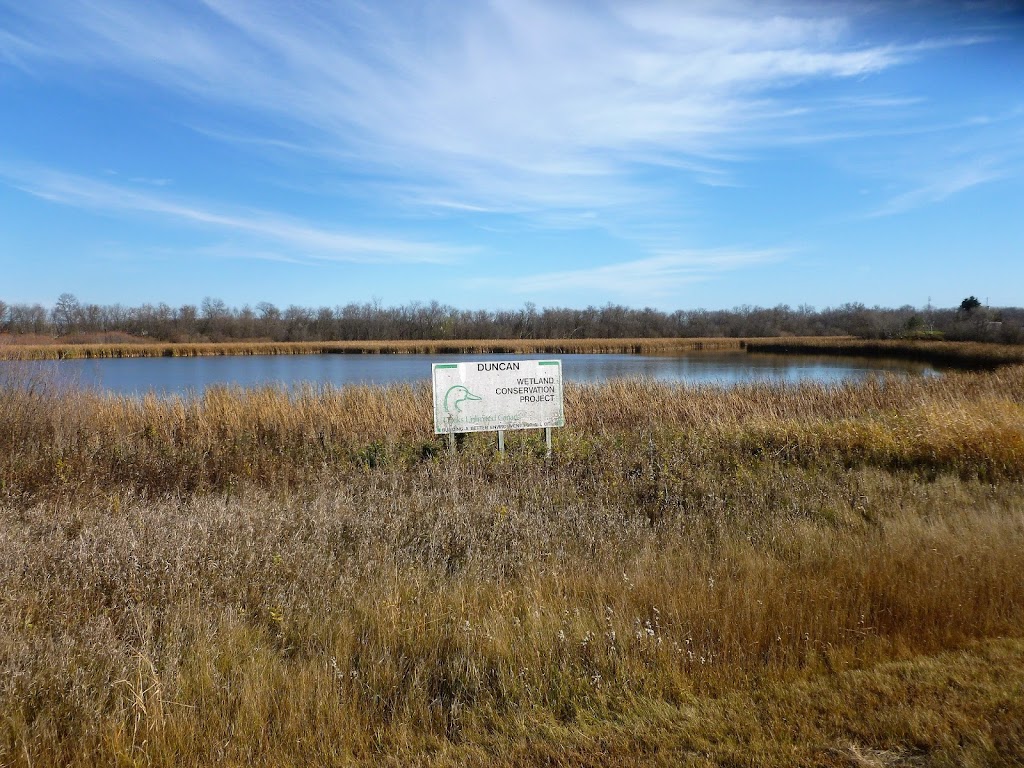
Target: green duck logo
<point>455,397</point>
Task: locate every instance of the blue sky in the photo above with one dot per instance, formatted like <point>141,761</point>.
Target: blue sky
<point>487,154</point>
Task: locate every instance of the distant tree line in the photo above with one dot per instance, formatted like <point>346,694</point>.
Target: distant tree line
<point>213,320</point>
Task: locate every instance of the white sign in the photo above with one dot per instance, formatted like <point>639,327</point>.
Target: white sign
<point>496,395</point>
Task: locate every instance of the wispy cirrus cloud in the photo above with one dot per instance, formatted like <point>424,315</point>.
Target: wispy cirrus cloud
<point>295,239</point>
<point>940,186</point>
<point>16,50</point>
<point>988,148</point>
<point>499,105</point>
<point>654,277</point>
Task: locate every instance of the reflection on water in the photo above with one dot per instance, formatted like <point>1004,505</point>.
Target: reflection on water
<point>181,375</point>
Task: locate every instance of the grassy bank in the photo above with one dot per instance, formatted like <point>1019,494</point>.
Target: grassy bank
<point>761,576</point>
<point>58,351</point>
<point>964,355</point>
<point>957,354</point>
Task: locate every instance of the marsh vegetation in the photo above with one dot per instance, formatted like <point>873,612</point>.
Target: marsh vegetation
<point>765,575</point>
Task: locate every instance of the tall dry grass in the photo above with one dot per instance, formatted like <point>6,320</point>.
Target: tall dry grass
<point>765,576</point>
<point>970,355</point>
<point>56,350</point>
<point>81,442</point>
<point>964,355</point>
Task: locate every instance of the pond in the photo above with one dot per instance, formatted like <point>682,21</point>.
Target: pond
<point>184,375</point>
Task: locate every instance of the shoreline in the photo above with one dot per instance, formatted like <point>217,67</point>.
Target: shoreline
<point>948,354</point>
<point>438,346</point>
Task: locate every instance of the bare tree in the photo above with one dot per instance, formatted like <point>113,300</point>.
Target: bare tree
<point>216,318</point>
<point>27,318</point>
<point>187,321</point>
<point>66,314</point>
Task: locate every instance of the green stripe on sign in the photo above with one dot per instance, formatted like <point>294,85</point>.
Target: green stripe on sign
<point>549,362</point>
<point>448,365</point>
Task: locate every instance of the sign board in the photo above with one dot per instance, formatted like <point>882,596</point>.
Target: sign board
<point>494,395</point>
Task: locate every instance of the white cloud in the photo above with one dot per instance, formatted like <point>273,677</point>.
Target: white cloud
<point>15,50</point>
<point>940,186</point>
<point>566,115</point>
<point>950,159</point>
<point>521,105</point>
<point>654,277</point>
<point>302,240</point>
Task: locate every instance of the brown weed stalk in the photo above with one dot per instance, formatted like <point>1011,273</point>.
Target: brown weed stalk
<point>764,575</point>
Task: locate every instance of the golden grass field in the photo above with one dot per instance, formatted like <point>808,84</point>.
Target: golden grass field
<point>766,576</point>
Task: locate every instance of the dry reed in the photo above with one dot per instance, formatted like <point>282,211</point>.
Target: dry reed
<point>766,575</point>
<point>967,355</point>
<point>58,351</point>
<point>971,355</point>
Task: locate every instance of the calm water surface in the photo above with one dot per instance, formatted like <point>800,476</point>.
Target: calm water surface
<point>184,375</point>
